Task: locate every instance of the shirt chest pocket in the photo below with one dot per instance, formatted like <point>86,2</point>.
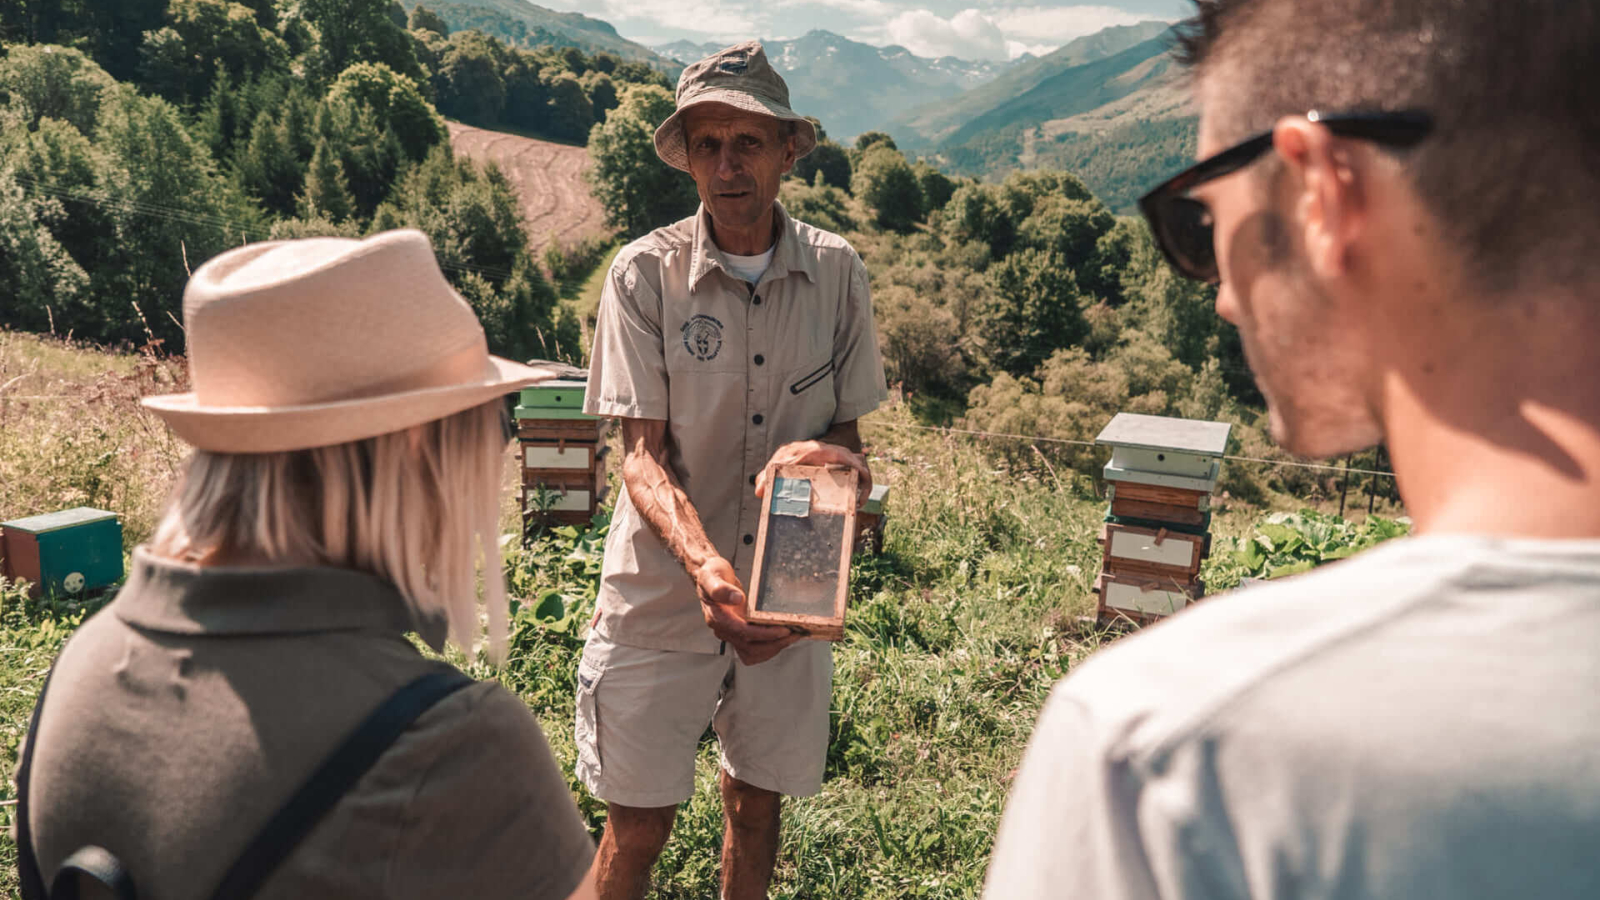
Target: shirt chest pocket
<point>806,398</point>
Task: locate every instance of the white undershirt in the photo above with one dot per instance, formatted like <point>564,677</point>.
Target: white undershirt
<point>750,268</point>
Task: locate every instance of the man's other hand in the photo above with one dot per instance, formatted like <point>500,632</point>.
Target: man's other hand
<point>818,453</point>
<point>722,601</point>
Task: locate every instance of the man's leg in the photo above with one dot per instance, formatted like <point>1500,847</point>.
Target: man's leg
<point>750,839</point>
<point>633,839</point>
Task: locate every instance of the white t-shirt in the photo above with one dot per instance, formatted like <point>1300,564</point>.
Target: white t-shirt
<point>1422,721</point>
<point>750,268</point>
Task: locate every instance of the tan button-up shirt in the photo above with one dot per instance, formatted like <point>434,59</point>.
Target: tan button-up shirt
<point>185,714</point>
<point>736,371</point>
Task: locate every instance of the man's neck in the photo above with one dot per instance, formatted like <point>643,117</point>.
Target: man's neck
<point>752,241</point>
<point>1501,434</point>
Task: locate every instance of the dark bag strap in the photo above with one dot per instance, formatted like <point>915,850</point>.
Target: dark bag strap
<point>338,774</point>
<point>27,863</point>
<point>283,832</point>
<point>92,862</point>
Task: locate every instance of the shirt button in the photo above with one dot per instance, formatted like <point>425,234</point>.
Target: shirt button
<point>756,301</point>
<point>760,360</point>
<point>749,539</point>
<point>752,479</point>
<point>757,418</point>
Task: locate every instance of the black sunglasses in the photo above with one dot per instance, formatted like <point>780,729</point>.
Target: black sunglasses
<point>1182,225</point>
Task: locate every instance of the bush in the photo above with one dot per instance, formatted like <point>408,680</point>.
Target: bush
<point>884,181</point>
<point>569,262</point>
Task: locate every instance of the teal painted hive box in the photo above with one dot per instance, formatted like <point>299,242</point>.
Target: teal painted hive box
<point>64,553</point>
<point>561,398</point>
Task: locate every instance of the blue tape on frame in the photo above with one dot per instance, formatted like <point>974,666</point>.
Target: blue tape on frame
<point>791,497</point>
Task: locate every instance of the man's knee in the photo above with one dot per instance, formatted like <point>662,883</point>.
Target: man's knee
<point>639,830</point>
<point>748,806</point>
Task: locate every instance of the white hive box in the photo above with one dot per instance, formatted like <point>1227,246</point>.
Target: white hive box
<point>1164,451</point>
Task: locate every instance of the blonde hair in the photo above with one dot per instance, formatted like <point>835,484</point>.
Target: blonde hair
<point>419,508</point>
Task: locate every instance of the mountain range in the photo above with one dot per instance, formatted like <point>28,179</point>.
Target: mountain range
<point>854,87</point>
<point>527,24</point>
<point>1110,107</point>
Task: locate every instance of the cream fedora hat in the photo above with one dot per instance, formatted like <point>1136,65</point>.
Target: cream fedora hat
<point>741,77</point>
<point>321,341</point>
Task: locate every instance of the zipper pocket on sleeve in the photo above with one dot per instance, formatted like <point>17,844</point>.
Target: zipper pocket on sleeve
<point>811,380</point>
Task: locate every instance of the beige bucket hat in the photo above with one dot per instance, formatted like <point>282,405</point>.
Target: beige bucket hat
<point>321,341</point>
<point>737,76</point>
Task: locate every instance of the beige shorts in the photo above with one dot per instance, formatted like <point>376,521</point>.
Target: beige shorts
<point>641,714</point>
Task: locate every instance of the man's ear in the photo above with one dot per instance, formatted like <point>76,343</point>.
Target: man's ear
<point>1328,204</point>
<point>789,154</point>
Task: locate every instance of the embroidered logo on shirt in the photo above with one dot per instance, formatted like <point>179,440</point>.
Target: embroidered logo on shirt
<point>702,337</point>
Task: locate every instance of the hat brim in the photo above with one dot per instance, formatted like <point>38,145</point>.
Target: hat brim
<point>669,137</point>
<point>256,429</point>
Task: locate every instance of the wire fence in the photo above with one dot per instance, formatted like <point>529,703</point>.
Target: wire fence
<point>1035,438</point>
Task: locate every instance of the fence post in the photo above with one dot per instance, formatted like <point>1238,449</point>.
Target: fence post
<point>1344,488</point>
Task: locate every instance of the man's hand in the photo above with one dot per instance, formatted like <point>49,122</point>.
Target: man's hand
<point>722,601</point>
<point>818,453</point>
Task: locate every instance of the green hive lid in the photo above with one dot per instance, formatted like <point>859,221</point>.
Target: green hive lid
<point>551,412</point>
<point>56,521</point>
<point>560,393</point>
<point>874,504</point>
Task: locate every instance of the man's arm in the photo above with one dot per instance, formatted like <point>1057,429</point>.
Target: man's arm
<point>666,509</point>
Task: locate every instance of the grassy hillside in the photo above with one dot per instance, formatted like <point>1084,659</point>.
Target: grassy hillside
<point>936,123</point>
<point>526,24</point>
<point>956,631</point>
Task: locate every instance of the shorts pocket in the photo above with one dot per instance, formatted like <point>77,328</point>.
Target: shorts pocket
<point>587,728</point>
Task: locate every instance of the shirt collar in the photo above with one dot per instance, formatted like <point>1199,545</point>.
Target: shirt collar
<point>170,596</point>
<point>789,255</point>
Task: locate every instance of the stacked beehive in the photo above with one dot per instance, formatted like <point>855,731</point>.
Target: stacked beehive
<point>563,453</point>
<point>1157,529</point>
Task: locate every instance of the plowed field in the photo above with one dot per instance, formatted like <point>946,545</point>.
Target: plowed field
<point>548,177</point>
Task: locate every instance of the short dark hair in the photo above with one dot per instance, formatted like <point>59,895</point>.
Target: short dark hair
<point>1509,171</point>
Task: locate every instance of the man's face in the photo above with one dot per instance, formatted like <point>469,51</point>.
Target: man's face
<point>1306,344</point>
<point>737,159</point>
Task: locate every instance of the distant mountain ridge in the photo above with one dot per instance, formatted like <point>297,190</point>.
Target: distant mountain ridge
<point>565,28</point>
<point>854,87</point>
<point>936,123</point>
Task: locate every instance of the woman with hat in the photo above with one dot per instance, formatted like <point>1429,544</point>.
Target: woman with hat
<point>247,717</point>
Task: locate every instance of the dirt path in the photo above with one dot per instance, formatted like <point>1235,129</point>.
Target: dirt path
<point>548,177</point>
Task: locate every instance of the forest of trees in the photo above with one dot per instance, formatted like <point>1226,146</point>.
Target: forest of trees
<point>138,138</point>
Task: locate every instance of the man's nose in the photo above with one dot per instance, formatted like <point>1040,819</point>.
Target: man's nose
<point>728,163</point>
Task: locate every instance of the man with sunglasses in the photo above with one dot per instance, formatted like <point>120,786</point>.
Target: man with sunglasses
<point>1399,201</point>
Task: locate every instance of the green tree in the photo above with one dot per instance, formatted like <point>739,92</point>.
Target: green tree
<point>828,160</point>
<point>637,190</point>
<point>568,112</point>
<point>396,103</point>
<point>469,80</point>
<point>327,193</point>
<point>884,181</point>
<point>601,91</point>
<point>425,19</point>
<point>267,169</point>
<point>1035,310</point>
<point>352,31</point>
<point>54,82</point>
<point>870,139</point>
<point>202,37</point>
<point>936,186</point>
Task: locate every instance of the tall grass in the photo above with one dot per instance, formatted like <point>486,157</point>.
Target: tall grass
<point>955,632</point>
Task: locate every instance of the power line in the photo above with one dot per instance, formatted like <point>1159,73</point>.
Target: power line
<point>1050,440</point>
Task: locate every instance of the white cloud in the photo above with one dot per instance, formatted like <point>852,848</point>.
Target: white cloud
<point>1052,26</point>
<point>968,34</point>
<point>1016,48</point>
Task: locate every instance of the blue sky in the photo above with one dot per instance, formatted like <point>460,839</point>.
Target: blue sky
<point>925,27</point>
